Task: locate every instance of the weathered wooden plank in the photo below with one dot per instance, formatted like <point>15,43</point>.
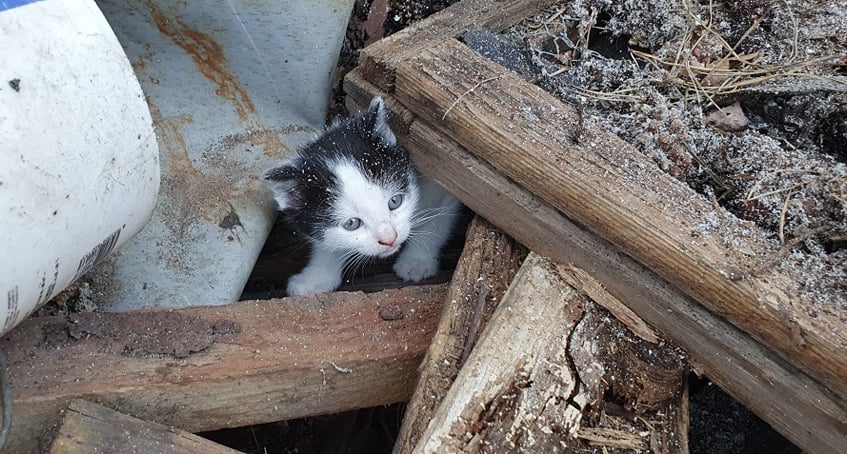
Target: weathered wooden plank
<point>379,61</point>
<point>90,428</point>
<point>795,405</point>
<point>544,360</point>
<point>488,263</point>
<point>205,368</point>
<point>604,184</point>
<point>512,353</point>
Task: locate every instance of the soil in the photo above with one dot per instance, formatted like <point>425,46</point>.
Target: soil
<point>746,102</point>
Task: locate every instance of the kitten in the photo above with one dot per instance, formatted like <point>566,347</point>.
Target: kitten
<point>354,194</point>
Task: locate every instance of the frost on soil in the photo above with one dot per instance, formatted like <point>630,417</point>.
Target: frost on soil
<point>655,73</point>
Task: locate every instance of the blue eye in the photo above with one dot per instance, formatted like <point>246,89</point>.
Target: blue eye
<point>352,224</point>
<point>395,201</point>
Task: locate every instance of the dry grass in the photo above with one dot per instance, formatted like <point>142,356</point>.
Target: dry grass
<point>730,72</point>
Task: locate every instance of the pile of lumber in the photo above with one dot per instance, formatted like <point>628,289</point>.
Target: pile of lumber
<point>627,232</point>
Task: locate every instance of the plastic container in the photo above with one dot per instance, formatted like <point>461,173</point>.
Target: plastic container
<point>79,167</point>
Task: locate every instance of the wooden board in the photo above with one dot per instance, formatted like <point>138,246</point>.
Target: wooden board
<point>544,361</point>
<point>488,263</point>
<point>512,356</point>
<point>380,60</point>
<point>611,189</point>
<point>90,428</point>
<point>795,405</point>
<point>206,368</point>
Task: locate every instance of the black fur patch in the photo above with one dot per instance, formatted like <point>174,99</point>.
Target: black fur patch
<point>311,185</point>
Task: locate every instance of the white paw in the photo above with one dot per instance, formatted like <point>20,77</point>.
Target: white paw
<point>414,268</point>
<point>309,284</point>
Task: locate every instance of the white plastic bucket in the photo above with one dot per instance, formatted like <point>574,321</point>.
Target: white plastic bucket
<point>79,169</point>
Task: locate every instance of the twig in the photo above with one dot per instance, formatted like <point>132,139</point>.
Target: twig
<point>777,256</point>
<point>782,217</point>
<point>467,92</point>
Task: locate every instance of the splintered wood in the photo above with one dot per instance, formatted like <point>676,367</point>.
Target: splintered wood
<point>90,428</point>
<point>489,261</point>
<point>255,361</point>
<point>545,360</point>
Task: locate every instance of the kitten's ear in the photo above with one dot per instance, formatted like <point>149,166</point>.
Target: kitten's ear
<point>283,182</point>
<point>376,119</point>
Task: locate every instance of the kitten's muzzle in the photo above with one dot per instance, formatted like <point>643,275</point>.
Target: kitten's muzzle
<point>386,235</point>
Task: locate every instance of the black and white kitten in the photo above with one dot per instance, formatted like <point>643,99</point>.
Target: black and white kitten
<point>354,193</point>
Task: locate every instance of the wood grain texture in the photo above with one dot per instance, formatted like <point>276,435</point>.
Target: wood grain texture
<point>379,61</point>
<point>91,428</point>
<point>611,189</point>
<point>507,388</point>
<point>794,404</point>
<point>545,360</point>
<point>270,360</point>
<point>488,263</point>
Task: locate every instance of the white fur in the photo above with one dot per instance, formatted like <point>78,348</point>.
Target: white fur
<point>360,198</point>
<point>322,274</point>
<point>423,222</point>
<point>436,215</point>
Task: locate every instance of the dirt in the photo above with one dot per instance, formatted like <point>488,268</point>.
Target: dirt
<point>78,297</point>
<point>746,102</point>
<point>157,333</point>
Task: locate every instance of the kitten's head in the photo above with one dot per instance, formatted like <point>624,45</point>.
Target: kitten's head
<point>352,189</point>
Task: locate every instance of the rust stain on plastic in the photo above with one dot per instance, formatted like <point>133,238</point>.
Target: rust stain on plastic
<point>209,58</point>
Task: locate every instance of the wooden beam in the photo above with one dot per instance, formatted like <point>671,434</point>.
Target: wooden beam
<point>545,359</point>
<point>379,60</point>
<point>488,263</point>
<point>211,367</point>
<point>512,353</point>
<point>611,189</point>
<point>797,406</point>
<point>90,428</point>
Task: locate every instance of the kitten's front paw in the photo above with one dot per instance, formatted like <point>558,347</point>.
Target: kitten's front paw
<point>308,284</point>
<point>414,268</point>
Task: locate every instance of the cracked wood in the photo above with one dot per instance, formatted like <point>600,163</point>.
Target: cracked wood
<point>488,263</point>
<point>90,428</point>
<point>800,408</point>
<point>545,360</point>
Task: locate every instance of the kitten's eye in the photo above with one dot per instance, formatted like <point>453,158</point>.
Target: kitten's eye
<point>395,201</point>
<point>352,223</point>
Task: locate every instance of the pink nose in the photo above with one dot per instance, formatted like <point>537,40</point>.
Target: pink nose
<point>386,235</point>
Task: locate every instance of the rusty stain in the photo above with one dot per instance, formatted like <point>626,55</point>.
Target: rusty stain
<point>211,61</point>
<point>267,138</point>
<point>209,58</point>
<point>139,64</point>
